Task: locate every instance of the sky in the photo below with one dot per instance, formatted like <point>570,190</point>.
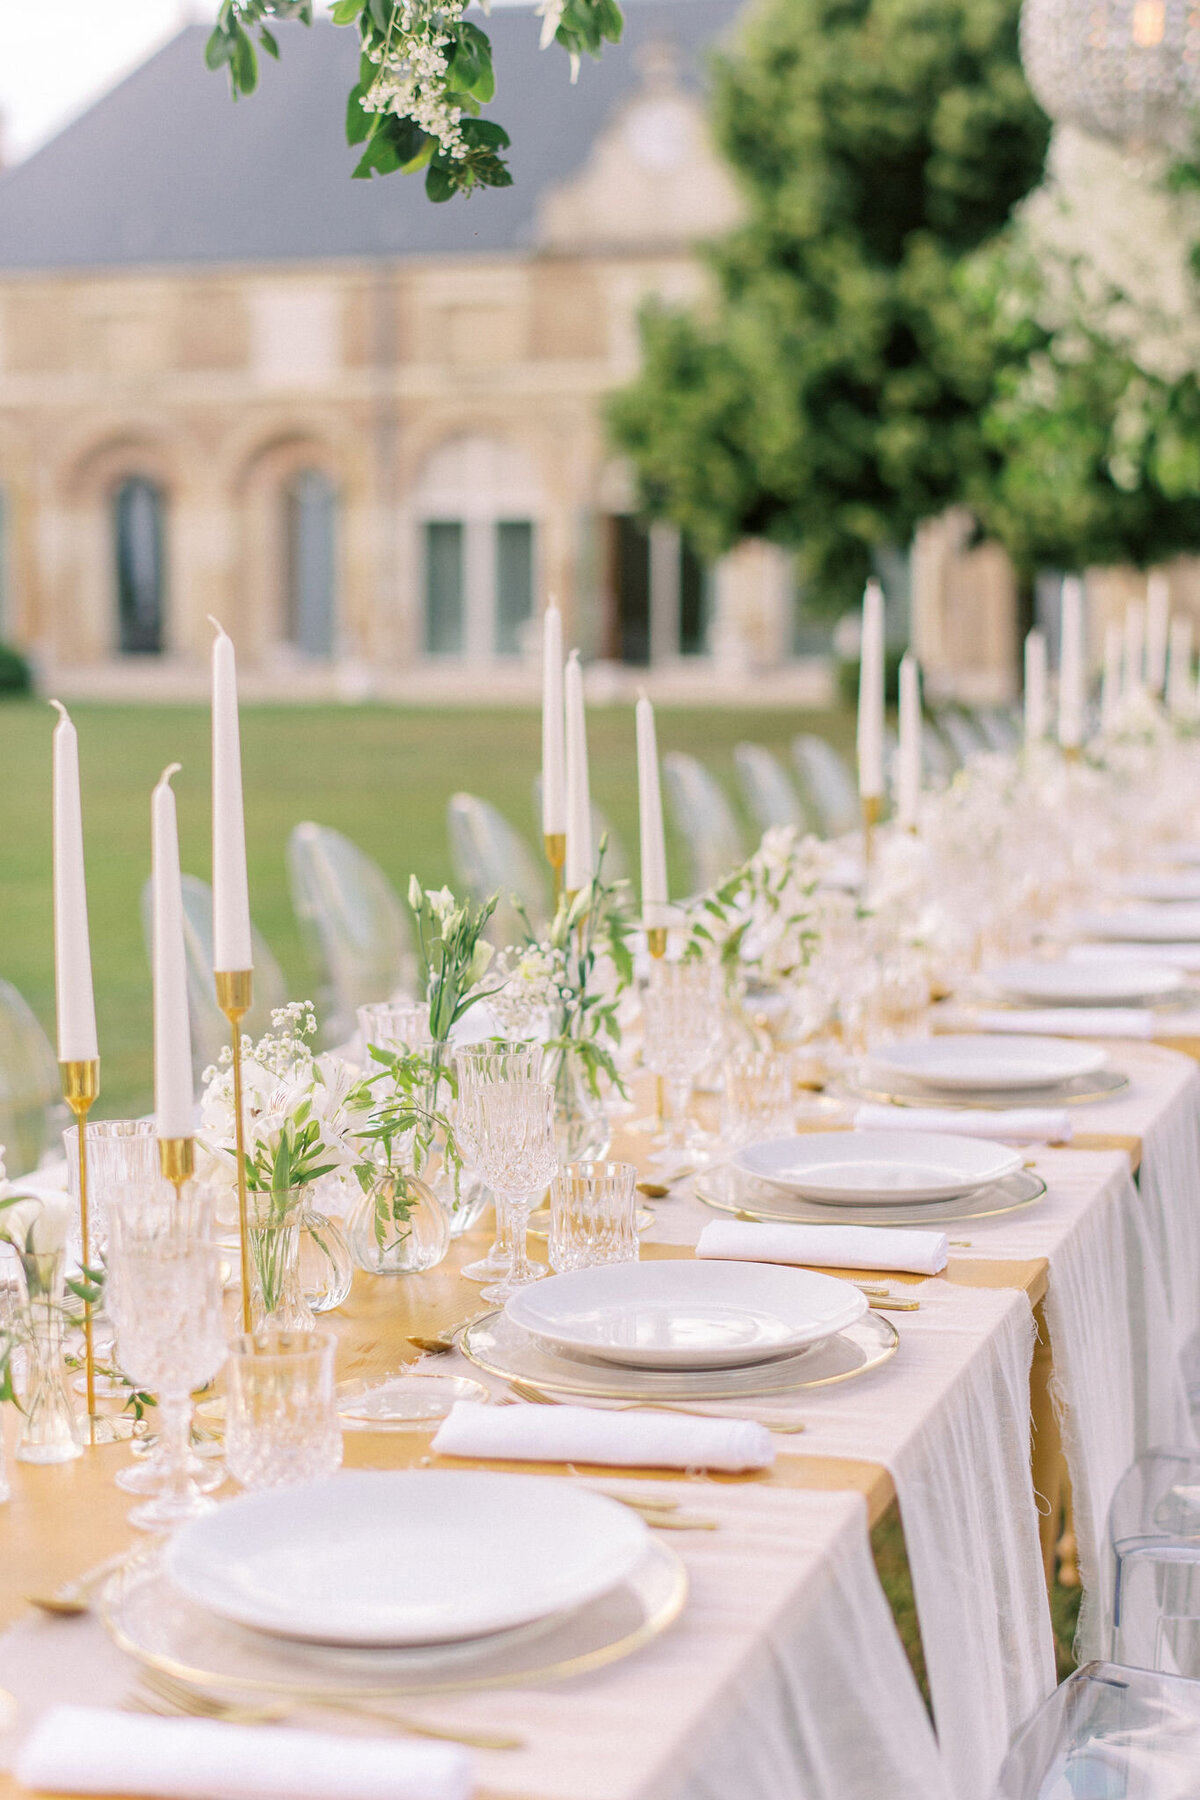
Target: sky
<point>57,56</point>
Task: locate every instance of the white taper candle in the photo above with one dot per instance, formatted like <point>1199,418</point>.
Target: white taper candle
<point>580,865</point>
<point>231,894</point>
<point>1179,668</point>
<point>1071,672</point>
<point>908,778</point>
<point>1110,690</point>
<point>650,818</point>
<point>74,999</point>
<point>173,1094</point>
<point>554,776</point>
<point>1158,620</point>
<point>1035,687</point>
<point>871,695</point>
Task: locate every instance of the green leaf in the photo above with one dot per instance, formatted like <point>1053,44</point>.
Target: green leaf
<point>269,43</point>
<point>470,70</point>
<point>244,63</point>
<point>345,12</point>
<point>381,12</point>
<point>358,122</point>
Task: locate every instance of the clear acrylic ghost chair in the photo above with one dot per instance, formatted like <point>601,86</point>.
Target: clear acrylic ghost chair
<point>937,759</point>
<point>959,733</point>
<point>1154,1537</point>
<point>996,726</point>
<point>766,788</point>
<point>829,784</point>
<point>490,857</point>
<point>616,862</point>
<point>356,929</point>
<point>209,1026</point>
<point>704,821</point>
<point>1109,1733</point>
<point>32,1111</point>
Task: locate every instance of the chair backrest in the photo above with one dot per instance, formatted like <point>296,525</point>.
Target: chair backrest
<point>996,726</point>
<point>770,797</point>
<point>938,762</point>
<point>828,782</point>
<point>358,933</point>
<point>616,862</point>
<point>209,1026</point>
<point>32,1110</point>
<point>1111,1733</point>
<point>704,820</point>
<point>960,734</point>
<point>490,857</point>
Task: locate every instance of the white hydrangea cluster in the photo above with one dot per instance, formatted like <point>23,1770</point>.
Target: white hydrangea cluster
<point>413,78</point>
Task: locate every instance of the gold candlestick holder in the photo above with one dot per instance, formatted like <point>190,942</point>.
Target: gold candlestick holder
<point>556,855</point>
<point>656,944</point>
<point>81,1085</point>
<point>235,992</point>
<point>177,1160</point>
<point>872,812</point>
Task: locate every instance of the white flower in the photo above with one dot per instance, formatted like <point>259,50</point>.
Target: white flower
<point>39,1223</point>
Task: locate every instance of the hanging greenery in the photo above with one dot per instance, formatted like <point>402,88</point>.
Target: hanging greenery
<point>424,73</point>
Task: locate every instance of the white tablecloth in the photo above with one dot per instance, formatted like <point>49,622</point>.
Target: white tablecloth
<point>784,1679</point>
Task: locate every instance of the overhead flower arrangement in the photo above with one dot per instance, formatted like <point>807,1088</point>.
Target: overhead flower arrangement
<point>424,73</point>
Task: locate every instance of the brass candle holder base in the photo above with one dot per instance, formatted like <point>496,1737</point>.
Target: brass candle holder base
<point>177,1160</point>
<point>872,813</point>
<point>235,993</point>
<point>556,855</point>
<point>656,941</point>
<point>81,1085</point>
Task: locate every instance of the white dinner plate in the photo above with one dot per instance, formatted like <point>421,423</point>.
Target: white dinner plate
<point>879,1167</point>
<point>968,1060</point>
<point>1164,889</point>
<point>1082,983</point>
<point>405,1557</point>
<point>1145,924</point>
<point>685,1315</point>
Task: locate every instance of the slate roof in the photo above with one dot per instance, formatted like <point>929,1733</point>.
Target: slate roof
<point>165,168</point>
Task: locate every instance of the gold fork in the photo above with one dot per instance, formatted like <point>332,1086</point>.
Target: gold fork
<point>525,1390</point>
<point>167,1696</point>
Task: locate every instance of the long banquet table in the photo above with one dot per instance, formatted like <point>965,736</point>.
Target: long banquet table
<point>786,1636</point>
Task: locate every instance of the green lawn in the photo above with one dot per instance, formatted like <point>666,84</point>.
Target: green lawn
<point>379,774</point>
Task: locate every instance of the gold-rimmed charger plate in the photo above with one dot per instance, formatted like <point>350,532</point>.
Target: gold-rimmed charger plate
<point>898,1090</point>
<point>502,1348</point>
<point>727,1189</point>
<point>154,1622</point>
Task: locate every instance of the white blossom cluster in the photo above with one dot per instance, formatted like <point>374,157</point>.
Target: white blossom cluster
<point>37,1222</point>
<point>413,78</point>
<point>768,913</point>
<point>532,987</point>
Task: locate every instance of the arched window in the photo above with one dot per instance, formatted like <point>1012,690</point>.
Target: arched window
<point>477,505</point>
<point>138,544</point>
<point>310,563</point>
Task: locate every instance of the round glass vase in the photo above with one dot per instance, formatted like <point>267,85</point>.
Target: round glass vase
<point>582,1128</point>
<point>275,1221</point>
<point>49,1432</point>
<point>399,1226</point>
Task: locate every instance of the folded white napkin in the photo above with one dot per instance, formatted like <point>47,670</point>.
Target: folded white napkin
<point>1016,1125</point>
<point>825,1246</point>
<point>1184,956</point>
<point>590,1434</point>
<point>86,1750</point>
<point>1070,1021</point>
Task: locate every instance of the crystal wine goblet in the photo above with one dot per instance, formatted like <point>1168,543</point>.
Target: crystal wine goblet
<point>166,1305</point>
<point>514,1126</point>
<point>475,1065</point>
<point>682,1018</point>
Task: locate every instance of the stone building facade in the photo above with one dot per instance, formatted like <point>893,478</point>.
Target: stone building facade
<point>363,431</point>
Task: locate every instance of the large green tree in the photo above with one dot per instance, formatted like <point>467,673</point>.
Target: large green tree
<point>828,396</point>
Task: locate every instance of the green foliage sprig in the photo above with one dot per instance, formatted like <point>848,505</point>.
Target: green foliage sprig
<point>424,73</point>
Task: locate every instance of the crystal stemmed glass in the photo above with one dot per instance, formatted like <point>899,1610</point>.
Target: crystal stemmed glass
<point>477,1064</point>
<point>514,1133</point>
<point>166,1303</point>
<point>682,1019</point>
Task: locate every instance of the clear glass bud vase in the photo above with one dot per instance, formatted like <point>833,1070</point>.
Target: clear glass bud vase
<point>582,1128</point>
<point>463,1194</point>
<point>399,1226</point>
<point>49,1432</point>
<point>277,1298</point>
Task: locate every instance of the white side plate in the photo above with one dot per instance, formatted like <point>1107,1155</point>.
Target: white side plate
<point>1083,983</point>
<point>685,1315</point>
<point>969,1060</point>
<point>1144,924</point>
<point>879,1167</point>
<point>405,1557</point>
